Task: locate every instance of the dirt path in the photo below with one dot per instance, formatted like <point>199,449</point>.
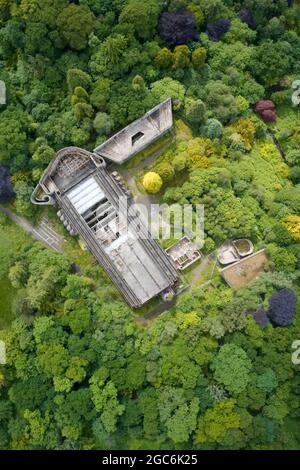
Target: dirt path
<point>43,232</point>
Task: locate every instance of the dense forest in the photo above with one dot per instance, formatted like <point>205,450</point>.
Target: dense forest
<point>215,371</point>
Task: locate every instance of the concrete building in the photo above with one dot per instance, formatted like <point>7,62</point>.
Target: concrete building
<point>138,135</point>
<point>184,253</point>
<point>88,196</point>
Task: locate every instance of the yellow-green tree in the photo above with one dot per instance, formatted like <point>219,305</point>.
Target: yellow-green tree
<point>213,426</point>
<point>198,57</point>
<point>292,223</point>
<point>164,58</point>
<point>152,182</point>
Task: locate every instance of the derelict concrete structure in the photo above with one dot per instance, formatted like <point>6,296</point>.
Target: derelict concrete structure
<point>88,198</point>
<point>138,135</point>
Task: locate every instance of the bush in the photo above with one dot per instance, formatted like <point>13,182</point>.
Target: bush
<point>199,57</point>
<point>177,28</point>
<point>213,129</point>
<point>180,161</point>
<point>167,87</point>
<point>246,16</point>
<point>243,104</point>
<point>142,16</point>
<point>6,188</point>
<point>165,171</point>
<point>292,224</point>
<point>181,57</point>
<point>284,260</point>
<point>103,123</point>
<point>295,174</point>
<point>194,111</point>
<point>79,96</point>
<point>78,78</point>
<point>246,128</point>
<point>164,59</point>
<point>216,30</point>
<point>293,157</point>
<point>76,22</point>
<point>152,182</point>
<point>282,307</point>
<point>266,109</point>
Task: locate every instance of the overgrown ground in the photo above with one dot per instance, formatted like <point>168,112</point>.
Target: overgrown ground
<point>215,370</point>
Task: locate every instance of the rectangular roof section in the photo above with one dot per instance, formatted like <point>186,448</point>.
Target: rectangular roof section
<point>85,195</point>
<point>88,197</point>
<point>138,135</point>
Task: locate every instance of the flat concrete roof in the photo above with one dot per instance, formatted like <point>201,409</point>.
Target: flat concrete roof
<point>88,198</point>
<point>240,273</point>
<point>138,135</point>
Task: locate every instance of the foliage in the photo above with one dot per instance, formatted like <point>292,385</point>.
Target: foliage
<point>216,422</point>
<point>199,57</point>
<point>142,16</point>
<point>246,128</point>
<point>216,30</point>
<point>103,123</point>
<point>76,22</point>
<point>168,88</point>
<point>292,223</point>
<point>282,307</point>
<point>177,28</point>
<point>152,182</point>
<point>213,129</point>
<point>195,111</point>
<point>232,368</point>
<point>267,110</point>
<point>220,102</point>
<point>6,189</point>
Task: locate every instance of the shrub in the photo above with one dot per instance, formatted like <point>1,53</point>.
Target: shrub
<point>152,182</point>
<point>246,128</point>
<point>246,16</point>
<point>179,162</point>
<point>194,111</point>
<point>198,14</point>
<point>76,78</point>
<point>282,307</point>
<point>295,174</point>
<point>261,317</point>
<point>242,103</point>
<point>199,149</point>
<point>167,87</point>
<point>164,58</point>
<point>181,57</point>
<point>79,96</point>
<point>283,259</point>
<point>292,223</point>
<point>216,30</point>
<point>213,129</point>
<point>76,22</point>
<point>177,28</point>
<point>199,57</point>
<point>142,16</point>
<point>293,157</point>
<point>165,171</point>
<point>103,123</point>
<point>266,109</point>
<point>6,188</point>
